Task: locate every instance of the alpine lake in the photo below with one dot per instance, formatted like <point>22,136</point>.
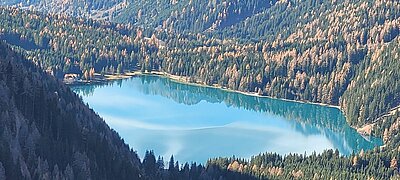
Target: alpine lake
<point>195,123</point>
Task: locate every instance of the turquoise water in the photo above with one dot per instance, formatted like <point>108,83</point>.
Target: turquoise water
<point>196,123</point>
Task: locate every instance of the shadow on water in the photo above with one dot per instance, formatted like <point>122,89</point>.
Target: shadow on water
<point>309,119</point>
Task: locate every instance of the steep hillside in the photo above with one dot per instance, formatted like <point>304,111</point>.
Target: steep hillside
<point>307,50</point>
<point>62,45</point>
<point>96,9</point>
<point>48,133</point>
<point>178,16</point>
<point>191,15</point>
<point>373,94</point>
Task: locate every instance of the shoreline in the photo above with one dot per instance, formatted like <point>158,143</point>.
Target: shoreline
<point>185,80</point>
<point>364,130</point>
<point>101,79</point>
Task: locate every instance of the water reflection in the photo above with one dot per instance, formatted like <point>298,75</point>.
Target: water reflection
<point>318,123</point>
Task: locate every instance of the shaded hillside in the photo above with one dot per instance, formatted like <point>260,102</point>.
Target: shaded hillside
<point>47,132</point>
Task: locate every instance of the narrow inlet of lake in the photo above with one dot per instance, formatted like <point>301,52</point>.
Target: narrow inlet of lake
<point>196,123</point>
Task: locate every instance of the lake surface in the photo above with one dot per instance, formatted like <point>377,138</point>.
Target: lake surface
<point>196,123</point>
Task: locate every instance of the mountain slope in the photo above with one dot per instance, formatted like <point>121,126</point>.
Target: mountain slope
<point>191,15</point>
<point>97,9</point>
<point>303,50</point>
<point>178,16</point>
<point>48,133</point>
<point>71,45</point>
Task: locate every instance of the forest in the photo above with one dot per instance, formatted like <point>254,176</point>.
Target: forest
<point>47,132</point>
<point>305,57</point>
<point>40,113</point>
<point>340,52</point>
